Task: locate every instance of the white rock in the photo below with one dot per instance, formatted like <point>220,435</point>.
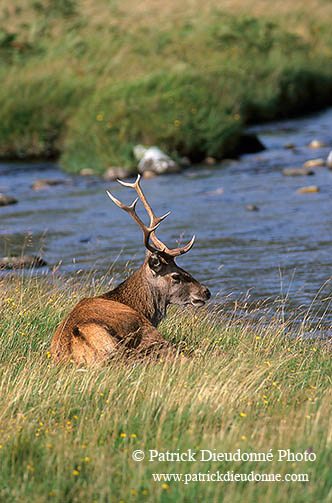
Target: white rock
<point>139,151</point>
<point>317,144</point>
<point>155,160</point>
<point>329,160</point>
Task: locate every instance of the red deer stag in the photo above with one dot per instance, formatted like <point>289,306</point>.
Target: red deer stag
<point>126,317</point>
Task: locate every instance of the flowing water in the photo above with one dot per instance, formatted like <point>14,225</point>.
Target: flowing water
<point>283,249</point>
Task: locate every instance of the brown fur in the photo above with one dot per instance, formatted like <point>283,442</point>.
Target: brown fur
<point>125,319</point>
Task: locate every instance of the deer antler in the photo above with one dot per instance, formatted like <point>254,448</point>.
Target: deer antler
<point>154,221</point>
<point>147,231</point>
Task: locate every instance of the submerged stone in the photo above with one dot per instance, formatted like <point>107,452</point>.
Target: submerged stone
<point>252,207</point>
<point>5,200</point>
<point>308,190</point>
<point>317,144</point>
<point>329,160</point>
<point>115,172</point>
<point>314,163</point>
<point>185,162</point>
<point>46,183</point>
<point>297,172</point>
<point>87,172</point>
<point>210,160</point>
<point>21,262</point>
<point>149,174</point>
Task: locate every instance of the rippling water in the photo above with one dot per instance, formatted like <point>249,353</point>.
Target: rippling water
<point>284,248</point>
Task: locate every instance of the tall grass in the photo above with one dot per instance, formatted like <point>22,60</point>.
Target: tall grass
<point>91,79</point>
<point>67,434</point>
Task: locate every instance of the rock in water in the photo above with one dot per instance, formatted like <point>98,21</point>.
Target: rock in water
<point>185,162</point>
<point>5,200</point>
<point>139,151</point>
<point>155,160</point>
<point>308,190</point>
<point>317,144</point>
<point>329,160</point>
<point>297,172</point>
<point>115,172</point>
<point>313,163</point>
<point>149,174</point>
<point>87,172</point>
<point>252,207</point>
<point>210,161</point>
<point>46,183</point>
<point>21,262</point>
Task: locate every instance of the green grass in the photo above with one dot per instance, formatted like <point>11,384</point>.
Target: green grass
<point>90,80</point>
<point>67,435</point>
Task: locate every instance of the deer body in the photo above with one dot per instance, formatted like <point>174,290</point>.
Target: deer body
<point>126,318</point>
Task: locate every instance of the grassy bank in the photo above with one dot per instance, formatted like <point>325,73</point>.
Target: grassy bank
<point>88,80</point>
<point>68,436</point>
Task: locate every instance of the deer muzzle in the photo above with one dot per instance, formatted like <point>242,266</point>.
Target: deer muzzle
<point>199,300</point>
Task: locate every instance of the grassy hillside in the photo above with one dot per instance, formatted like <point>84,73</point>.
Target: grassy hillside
<point>67,435</point>
<point>88,80</point>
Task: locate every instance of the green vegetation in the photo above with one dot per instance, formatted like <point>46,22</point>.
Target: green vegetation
<point>67,434</point>
<point>88,80</point>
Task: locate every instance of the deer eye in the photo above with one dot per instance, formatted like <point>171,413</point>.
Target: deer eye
<point>176,277</point>
<point>154,263</point>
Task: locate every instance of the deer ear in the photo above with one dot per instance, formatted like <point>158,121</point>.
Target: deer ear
<point>155,263</point>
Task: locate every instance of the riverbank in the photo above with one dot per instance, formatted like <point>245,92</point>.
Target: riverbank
<point>281,249</point>
<point>68,436</point>
<point>88,81</point>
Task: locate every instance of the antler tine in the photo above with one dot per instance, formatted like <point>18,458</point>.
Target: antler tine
<point>155,221</point>
<point>142,197</point>
<point>182,249</point>
<point>147,231</point>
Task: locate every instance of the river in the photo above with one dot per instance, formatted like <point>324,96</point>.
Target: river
<point>282,250</point>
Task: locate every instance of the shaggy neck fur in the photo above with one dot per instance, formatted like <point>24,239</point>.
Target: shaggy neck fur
<point>139,293</point>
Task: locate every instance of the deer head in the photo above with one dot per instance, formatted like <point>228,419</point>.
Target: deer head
<point>168,282</point>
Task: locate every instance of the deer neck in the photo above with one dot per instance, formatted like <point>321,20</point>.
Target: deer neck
<point>139,294</point>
